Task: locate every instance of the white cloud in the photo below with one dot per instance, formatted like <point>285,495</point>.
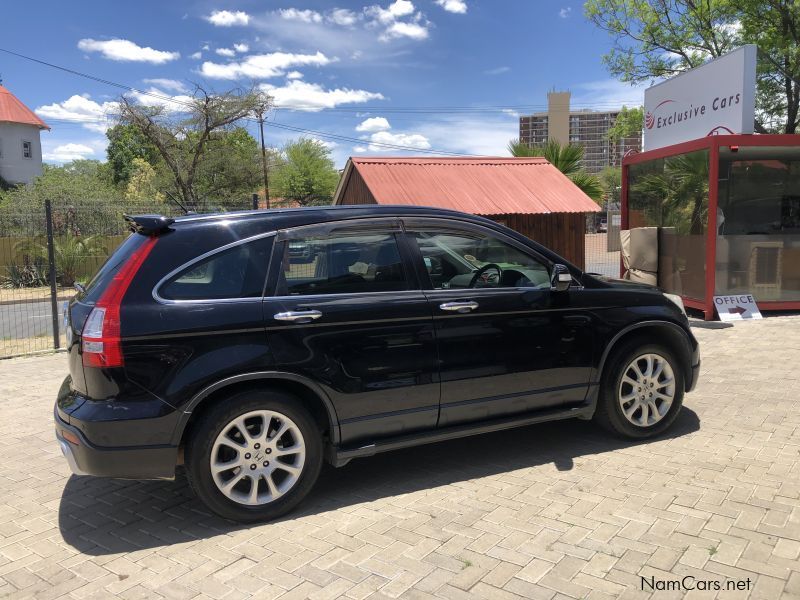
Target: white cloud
<point>241,48</point>
<point>125,50</point>
<point>227,52</point>
<point>565,12</point>
<point>483,136</point>
<point>453,6</point>
<point>396,10</point>
<point>360,149</point>
<point>328,144</point>
<point>226,18</point>
<point>294,14</point>
<point>262,66</point>
<point>68,152</point>
<point>373,124</point>
<point>155,97</point>
<point>167,84</point>
<point>81,109</point>
<point>399,29</point>
<point>411,140</point>
<point>497,71</point>
<point>196,56</point>
<point>343,17</point>
<point>294,75</point>
<point>301,95</point>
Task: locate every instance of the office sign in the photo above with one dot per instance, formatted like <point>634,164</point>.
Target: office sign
<point>715,98</point>
<point>738,307</point>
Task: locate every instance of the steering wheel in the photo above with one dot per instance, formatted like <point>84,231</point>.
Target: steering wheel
<point>480,272</point>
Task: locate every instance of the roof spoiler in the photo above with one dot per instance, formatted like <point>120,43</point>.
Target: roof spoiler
<point>148,224</point>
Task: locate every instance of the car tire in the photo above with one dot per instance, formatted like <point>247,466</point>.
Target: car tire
<point>648,408</point>
<point>264,438</point>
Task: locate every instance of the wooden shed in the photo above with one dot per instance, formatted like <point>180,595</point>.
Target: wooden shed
<point>528,195</point>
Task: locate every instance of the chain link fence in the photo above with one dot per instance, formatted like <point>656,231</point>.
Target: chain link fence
<point>45,250</point>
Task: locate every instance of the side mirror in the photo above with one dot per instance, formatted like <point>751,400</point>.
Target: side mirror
<point>561,279</point>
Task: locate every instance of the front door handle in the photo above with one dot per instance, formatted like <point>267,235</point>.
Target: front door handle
<point>298,316</point>
<point>459,306</point>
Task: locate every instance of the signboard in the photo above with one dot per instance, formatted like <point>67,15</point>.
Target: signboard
<point>715,98</point>
<point>736,308</point>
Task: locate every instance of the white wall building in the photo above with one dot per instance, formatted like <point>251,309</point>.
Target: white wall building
<point>20,147</point>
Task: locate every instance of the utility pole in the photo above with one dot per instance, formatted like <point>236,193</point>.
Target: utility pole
<point>260,116</point>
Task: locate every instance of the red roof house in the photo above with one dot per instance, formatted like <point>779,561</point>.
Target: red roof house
<point>527,194</point>
<point>20,146</point>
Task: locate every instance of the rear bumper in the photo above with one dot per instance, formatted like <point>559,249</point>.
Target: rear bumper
<point>127,462</point>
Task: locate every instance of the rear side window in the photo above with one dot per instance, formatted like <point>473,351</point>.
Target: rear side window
<point>342,264</point>
<point>238,272</point>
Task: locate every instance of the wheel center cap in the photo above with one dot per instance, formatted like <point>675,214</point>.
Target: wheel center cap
<point>258,456</point>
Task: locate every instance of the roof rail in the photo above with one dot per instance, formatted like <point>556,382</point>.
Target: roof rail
<point>148,224</point>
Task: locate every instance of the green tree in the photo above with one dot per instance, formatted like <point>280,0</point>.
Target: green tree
<point>567,158</point>
<point>611,181</point>
<point>125,144</point>
<point>655,39</point>
<point>629,123</point>
<point>230,170</point>
<point>142,183</point>
<point>305,173</point>
<point>183,134</point>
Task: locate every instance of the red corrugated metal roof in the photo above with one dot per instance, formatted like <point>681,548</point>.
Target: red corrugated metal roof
<point>12,110</point>
<point>483,186</point>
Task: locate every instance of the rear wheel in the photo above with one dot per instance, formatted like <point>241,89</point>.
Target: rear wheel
<point>641,391</point>
<point>254,456</point>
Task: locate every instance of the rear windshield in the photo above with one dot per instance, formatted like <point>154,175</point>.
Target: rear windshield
<point>110,268</point>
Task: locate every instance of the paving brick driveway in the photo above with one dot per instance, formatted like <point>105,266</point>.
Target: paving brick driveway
<point>549,511</point>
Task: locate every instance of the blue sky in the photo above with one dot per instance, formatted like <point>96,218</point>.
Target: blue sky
<point>379,71</point>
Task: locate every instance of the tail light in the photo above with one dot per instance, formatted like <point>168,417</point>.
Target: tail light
<point>101,340</point>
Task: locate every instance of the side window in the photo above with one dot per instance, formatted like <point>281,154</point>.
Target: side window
<point>27,150</point>
<point>238,272</point>
<point>342,264</point>
<point>474,260</point>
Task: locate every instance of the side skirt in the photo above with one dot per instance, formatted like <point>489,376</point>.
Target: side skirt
<point>339,457</point>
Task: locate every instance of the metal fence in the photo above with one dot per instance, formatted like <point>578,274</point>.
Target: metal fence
<point>45,250</point>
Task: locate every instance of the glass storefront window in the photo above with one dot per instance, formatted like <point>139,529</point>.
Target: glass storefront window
<point>672,193</point>
<point>758,223</point>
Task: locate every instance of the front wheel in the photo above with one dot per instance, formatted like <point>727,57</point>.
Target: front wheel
<point>641,391</point>
<point>254,456</point>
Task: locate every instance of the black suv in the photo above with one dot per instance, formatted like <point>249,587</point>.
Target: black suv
<point>252,346</point>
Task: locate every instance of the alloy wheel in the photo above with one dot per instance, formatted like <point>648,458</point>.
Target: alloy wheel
<point>258,457</point>
<point>646,390</point>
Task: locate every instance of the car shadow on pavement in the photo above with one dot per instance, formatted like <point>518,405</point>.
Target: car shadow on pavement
<point>106,516</point>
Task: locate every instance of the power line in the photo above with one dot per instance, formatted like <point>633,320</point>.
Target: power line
<point>319,133</point>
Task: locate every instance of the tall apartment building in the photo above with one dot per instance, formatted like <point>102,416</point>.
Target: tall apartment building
<point>586,127</point>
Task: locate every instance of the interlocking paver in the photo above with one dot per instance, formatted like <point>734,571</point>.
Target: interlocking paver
<point>553,511</point>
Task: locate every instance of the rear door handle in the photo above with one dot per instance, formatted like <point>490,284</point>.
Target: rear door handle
<point>298,316</point>
<point>459,306</point>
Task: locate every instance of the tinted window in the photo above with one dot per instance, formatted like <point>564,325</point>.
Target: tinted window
<point>461,260</point>
<point>238,272</point>
<point>341,264</point>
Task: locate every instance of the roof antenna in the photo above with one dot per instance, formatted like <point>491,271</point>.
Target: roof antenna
<point>176,201</point>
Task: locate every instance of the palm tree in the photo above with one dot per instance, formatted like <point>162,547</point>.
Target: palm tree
<point>71,253</point>
<point>567,159</point>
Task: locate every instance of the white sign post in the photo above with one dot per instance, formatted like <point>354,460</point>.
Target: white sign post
<point>737,307</point>
<point>715,98</point>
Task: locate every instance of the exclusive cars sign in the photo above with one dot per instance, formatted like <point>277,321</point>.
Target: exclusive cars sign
<point>715,98</point>
<point>737,307</point>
